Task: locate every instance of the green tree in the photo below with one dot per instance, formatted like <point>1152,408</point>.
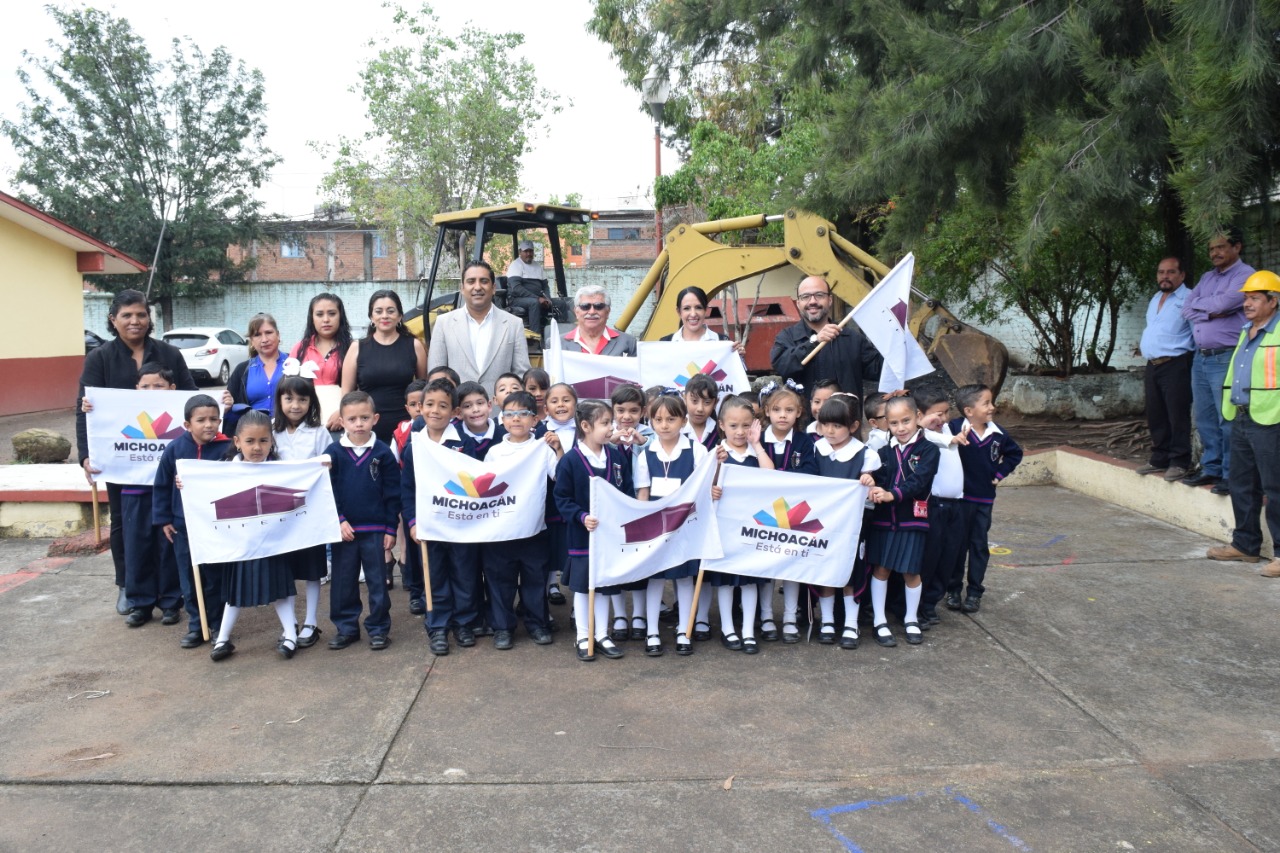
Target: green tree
<point>124,146</point>
<point>450,120</point>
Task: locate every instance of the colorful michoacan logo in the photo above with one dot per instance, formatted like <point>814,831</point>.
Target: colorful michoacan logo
<point>148,428</point>
<point>467,486</point>
<point>784,516</point>
<point>710,369</point>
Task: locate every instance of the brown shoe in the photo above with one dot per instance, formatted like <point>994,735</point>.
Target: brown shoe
<point>1175,473</point>
<point>1229,553</point>
<point>1271,570</point>
<point>1151,469</point>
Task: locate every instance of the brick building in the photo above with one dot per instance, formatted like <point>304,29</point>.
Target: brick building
<point>622,238</point>
<point>329,249</point>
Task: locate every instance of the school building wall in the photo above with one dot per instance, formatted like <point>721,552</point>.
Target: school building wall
<point>42,349</point>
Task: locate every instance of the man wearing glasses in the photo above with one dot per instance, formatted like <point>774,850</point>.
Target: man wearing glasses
<point>848,356</point>
<point>592,334</point>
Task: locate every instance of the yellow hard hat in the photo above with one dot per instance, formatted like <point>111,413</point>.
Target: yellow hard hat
<point>1262,280</point>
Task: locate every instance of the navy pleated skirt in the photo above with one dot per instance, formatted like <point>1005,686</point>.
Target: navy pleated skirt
<point>578,578</point>
<point>253,583</point>
<point>897,550</point>
<point>308,564</point>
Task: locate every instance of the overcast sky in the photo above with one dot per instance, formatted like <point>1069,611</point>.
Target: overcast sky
<point>310,55</point>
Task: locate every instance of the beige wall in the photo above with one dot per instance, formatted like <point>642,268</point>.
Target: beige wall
<point>41,295</point>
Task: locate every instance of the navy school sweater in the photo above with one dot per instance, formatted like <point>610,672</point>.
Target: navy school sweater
<point>166,500</point>
<point>409,481</point>
<point>909,475</point>
<point>366,488</point>
<point>986,460</point>
<point>573,489</point>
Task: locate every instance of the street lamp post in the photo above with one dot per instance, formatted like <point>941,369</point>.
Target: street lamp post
<point>656,91</point>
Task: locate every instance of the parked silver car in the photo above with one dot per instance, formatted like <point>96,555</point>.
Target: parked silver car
<point>211,353</point>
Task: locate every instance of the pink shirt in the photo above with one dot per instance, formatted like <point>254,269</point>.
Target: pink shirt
<point>328,367</point>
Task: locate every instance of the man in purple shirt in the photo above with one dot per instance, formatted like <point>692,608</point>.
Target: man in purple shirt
<point>1215,309</point>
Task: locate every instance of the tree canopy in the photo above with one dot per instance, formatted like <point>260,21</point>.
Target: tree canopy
<point>450,119</point>
<point>116,143</point>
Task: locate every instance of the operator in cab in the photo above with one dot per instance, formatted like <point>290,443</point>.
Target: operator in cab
<point>527,287</point>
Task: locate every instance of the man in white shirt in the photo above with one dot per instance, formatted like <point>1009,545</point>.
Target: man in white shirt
<point>527,286</point>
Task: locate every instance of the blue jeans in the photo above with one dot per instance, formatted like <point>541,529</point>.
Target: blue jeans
<point>1208,373</point>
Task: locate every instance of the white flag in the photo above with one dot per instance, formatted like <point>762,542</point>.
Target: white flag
<point>638,539</point>
<point>128,430</point>
<point>882,317</point>
<point>461,499</point>
<point>672,364</point>
<point>796,527</point>
<point>246,510</point>
<point>595,377</point>
<point>552,362</point>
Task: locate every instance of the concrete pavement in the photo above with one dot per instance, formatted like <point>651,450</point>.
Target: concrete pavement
<point>1116,692</point>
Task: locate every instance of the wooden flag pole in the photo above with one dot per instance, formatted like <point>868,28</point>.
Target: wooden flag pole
<point>697,585</point>
<point>204,617</point>
<point>426,576</point>
<point>591,622</point>
<point>808,358</point>
<point>97,517</point>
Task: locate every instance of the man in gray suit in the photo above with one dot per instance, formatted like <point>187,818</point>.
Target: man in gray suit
<point>479,340</point>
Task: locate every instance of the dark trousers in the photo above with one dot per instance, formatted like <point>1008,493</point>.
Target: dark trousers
<point>116,510</point>
<point>533,308</point>
<point>519,565</point>
<point>364,552</point>
<point>150,573</point>
<point>210,583</point>
<point>454,588</point>
<point>411,572</point>
<point>977,522</point>
<point>1168,391</point>
<point>1255,472</point>
<point>944,549</point>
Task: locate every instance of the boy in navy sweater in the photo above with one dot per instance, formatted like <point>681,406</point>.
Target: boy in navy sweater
<point>366,489</point>
<point>201,441</point>
<point>454,587</point>
<point>988,455</point>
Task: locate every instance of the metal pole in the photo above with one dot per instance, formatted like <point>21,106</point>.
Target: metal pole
<point>657,173</point>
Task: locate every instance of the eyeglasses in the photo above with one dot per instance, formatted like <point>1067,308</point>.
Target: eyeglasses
<point>592,306</point>
<point>811,297</point>
<point>517,413</point>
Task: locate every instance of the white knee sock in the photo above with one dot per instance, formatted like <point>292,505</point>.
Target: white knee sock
<point>724,594</point>
<point>313,602</point>
<point>749,592</point>
<point>790,600</point>
<point>618,601</point>
<point>765,593</point>
<point>653,604</point>
<point>602,617</point>
<point>704,602</point>
<point>286,615</point>
<point>637,604</point>
<point>879,589</point>
<point>581,604</point>
<point>913,601</point>
<point>850,611</point>
<point>827,603</point>
<point>229,616</point>
<point>684,597</point>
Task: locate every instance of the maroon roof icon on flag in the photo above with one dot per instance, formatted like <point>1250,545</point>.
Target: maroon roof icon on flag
<point>260,500</point>
<point>656,524</point>
<point>601,387</point>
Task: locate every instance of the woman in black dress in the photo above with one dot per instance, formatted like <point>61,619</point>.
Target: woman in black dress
<point>385,362</point>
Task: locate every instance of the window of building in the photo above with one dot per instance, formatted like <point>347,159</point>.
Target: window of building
<point>379,245</point>
<point>624,233</point>
<point>575,250</point>
<point>293,248</point>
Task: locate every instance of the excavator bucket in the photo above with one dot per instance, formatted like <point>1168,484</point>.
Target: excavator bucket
<point>971,357</point>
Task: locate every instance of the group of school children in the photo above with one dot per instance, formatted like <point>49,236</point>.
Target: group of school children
<point>931,485</point>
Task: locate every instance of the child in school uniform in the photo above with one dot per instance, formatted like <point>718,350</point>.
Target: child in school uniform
<point>265,580</point>
<point>150,570</point>
<point>877,430</point>
<point>945,548</point>
<point>559,431</point>
<point>454,587</point>
<point>562,404</point>
<point>822,391</point>
<point>412,405</point>
<point>520,565</point>
<point>366,489</point>
<point>899,526</point>
<point>840,454</point>
<point>202,440</point>
<point>988,455</point>
<point>666,462</point>
<point>700,396</point>
<point>740,445</point>
<point>538,382</point>
<point>790,449</point>
<point>591,456</point>
<point>630,433</point>
<point>505,384</point>
<point>478,429</point>
<point>298,434</point>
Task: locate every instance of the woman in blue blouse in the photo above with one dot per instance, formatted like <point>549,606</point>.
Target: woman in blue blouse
<point>253,383</point>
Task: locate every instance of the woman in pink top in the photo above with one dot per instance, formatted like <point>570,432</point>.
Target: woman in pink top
<point>324,344</point>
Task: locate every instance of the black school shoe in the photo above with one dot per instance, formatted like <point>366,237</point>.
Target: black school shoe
<point>971,605</point>
<point>192,640</point>
<point>221,651</point>
<point>138,617</point>
<point>417,606</point>
<point>378,642</point>
<point>438,642</point>
<point>465,636</point>
<point>953,601</point>
<point>341,641</point>
<point>169,616</point>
